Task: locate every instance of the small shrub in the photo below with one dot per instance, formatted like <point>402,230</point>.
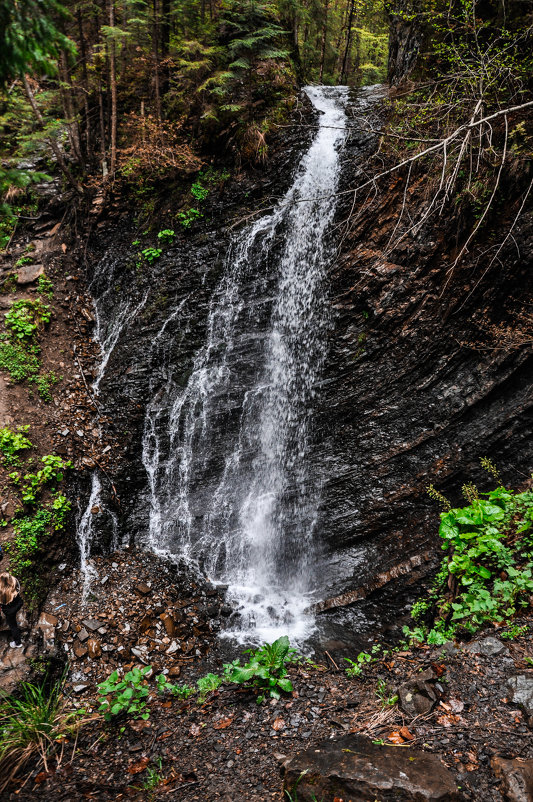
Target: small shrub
<point>19,359</point>
<point>166,236</point>
<point>187,218</point>
<point>266,669</point>
<point>12,442</point>
<point>125,696</point>
<point>151,254</point>
<point>487,574</point>
<point>24,317</point>
<point>45,287</point>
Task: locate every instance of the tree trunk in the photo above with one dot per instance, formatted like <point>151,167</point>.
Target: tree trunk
<point>324,37</point>
<point>155,45</point>
<point>85,92</point>
<point>51,141</point>
<point>348,42</point>
<point>113,83</point>
<point>66,93</point>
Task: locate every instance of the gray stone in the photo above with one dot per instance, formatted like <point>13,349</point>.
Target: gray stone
<point>352,767</point>
<point>517,778</point>
<point>521,688</point>
<point>91,625</point>
<point>417,696</point>
<point>29,273</point>
<point>489,647</point>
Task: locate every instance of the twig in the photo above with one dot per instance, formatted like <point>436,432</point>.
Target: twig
<point>333,661</point>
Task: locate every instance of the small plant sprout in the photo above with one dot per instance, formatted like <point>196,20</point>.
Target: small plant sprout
<point>166,236</point>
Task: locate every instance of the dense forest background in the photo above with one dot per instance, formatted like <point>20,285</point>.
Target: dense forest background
<point>138,92</point>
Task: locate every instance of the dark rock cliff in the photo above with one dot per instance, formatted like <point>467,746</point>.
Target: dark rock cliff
<point>413,391</point>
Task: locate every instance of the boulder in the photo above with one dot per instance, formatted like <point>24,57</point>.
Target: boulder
<point>29,273</point>
<point>353,768</point>
<point>517,778</point>
<point>521,693</point>
<point>47,624</point>
<point>417,696</point>
<point>489,647</point>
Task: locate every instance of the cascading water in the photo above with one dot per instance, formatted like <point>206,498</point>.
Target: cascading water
<point>114,311</point>
<point>229,456</point>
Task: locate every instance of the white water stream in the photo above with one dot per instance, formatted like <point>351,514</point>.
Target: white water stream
<point>229,456</point>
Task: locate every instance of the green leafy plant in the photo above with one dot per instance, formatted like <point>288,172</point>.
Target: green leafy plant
<point>382,694</point>
<point>199,192</point>
<point>19,359</point>
<point>151,254</point>
<point>30,533</point>
<point>186,219</point>
<point>12,442</point>
<point>515,632</point>
<point>125,696</point>
<point>207,685</point>
<point>181,691</point>
<point>166,236</point>
<point>24,317</point>
<point>44,384</point>
<point>487,573</point>
<point>355,667</point>
<point>50,473</point>
<point>266,670</point>
<point>45,287</point>
<point>24,260</point>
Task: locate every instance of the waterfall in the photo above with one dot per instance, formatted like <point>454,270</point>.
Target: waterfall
<point>114,311</point>
<point>229,456</point>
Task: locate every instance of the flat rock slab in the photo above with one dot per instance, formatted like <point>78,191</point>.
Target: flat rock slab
<point>354,769</point>
<point>517,778</point>
<point>29,273</point>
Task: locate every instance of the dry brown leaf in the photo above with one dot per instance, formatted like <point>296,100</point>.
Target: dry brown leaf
<point>164,735</point>
<point>278,725</point>
<point>404,732</point>
<point>41,777</point>
<point>136,768</point>
<point>222,723</point>
<point>395,738</point>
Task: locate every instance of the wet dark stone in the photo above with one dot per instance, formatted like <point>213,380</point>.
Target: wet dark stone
<point>352,767</point>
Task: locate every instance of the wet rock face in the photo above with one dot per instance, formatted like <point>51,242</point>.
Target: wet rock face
<point>353,767</point>
<point>414,391</point>
<point>405,400</point>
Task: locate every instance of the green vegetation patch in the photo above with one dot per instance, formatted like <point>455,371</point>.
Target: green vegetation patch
<point>486,575</point>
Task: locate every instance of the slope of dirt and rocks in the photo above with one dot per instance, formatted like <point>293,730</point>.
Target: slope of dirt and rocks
<point>461,703</point>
